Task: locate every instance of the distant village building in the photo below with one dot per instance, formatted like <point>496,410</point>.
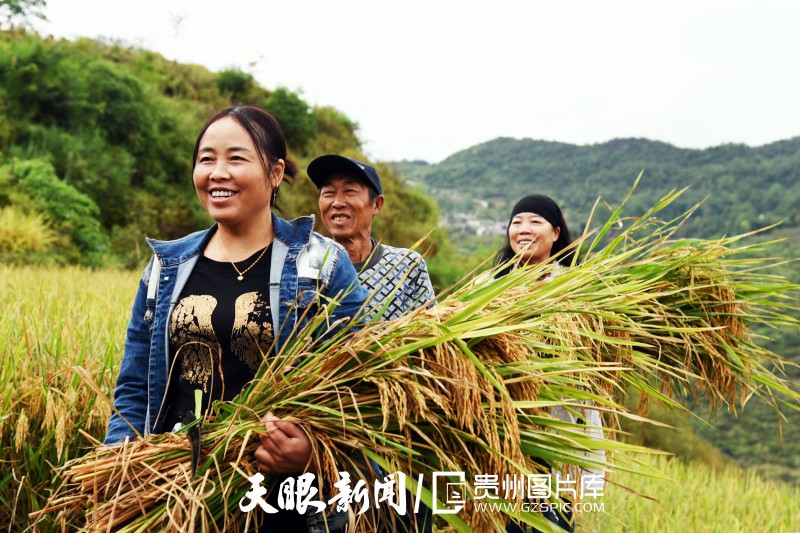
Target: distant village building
<point>469,223</point>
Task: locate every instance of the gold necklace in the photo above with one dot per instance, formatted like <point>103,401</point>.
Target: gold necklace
<point>241,273</point>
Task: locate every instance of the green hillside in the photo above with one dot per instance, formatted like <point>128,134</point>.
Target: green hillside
<point>95,151</point>
<point>743,188</point>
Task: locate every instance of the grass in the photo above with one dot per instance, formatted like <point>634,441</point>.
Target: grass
<point>54,319</point>
<point>695,498</point>
<point>22,233</point>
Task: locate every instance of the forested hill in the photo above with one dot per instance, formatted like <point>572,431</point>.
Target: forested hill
<point>744,187</point>
<point>96,141</point>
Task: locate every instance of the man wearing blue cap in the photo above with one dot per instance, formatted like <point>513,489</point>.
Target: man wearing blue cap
<point>350,196</point>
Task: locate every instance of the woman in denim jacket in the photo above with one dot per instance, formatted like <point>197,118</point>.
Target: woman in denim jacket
<point>211,305</point>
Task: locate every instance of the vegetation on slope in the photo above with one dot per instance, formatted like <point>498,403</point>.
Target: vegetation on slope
<point>691,496</point>
<point>96,141</point>
<point>744,188</point>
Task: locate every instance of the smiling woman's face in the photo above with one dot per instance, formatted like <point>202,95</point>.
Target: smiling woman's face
<point>229,177</point>
<point>532,237</point>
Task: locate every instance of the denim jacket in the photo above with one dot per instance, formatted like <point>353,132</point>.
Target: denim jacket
<point>304,265</point>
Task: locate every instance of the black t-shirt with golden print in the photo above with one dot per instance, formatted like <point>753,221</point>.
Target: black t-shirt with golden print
<point>219,332</point>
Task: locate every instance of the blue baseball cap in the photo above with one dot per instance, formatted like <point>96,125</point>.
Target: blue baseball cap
<point>326,166</point>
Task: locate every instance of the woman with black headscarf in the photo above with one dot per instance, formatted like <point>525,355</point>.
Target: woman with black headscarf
<point>537,233</point>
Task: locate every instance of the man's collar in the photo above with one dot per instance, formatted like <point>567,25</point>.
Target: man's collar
<point>372,259</point>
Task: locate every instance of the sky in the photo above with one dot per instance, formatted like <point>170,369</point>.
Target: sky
<point>426,79</point>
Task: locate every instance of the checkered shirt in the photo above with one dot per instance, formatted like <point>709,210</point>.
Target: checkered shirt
<point>400,274</point>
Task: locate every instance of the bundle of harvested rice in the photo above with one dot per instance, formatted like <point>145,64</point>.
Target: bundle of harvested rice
<point>469,385</point>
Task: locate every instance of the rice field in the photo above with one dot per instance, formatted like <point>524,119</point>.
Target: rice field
<point>56,319</point>
<point>695,498</point>
<point>53,320</point>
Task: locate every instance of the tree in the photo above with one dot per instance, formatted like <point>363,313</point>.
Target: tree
<point>235,84</point>
<point>294,115</point>
<point>11,9</point>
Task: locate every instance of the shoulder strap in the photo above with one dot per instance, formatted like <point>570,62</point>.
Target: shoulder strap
<point>152,289</point>
<point>152,286</point>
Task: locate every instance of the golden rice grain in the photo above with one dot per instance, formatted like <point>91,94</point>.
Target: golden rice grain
<point>21,430</point>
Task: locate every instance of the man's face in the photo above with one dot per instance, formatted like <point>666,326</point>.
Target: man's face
<point>346,209</point>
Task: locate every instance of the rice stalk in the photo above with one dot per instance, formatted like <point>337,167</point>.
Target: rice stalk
<point>469,385</point>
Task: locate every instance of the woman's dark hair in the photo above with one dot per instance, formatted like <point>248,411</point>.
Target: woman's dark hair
<point>543,206</point>
<point>266,134</point>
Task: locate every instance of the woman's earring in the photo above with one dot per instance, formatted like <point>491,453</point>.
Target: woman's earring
<point>274,197</point>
